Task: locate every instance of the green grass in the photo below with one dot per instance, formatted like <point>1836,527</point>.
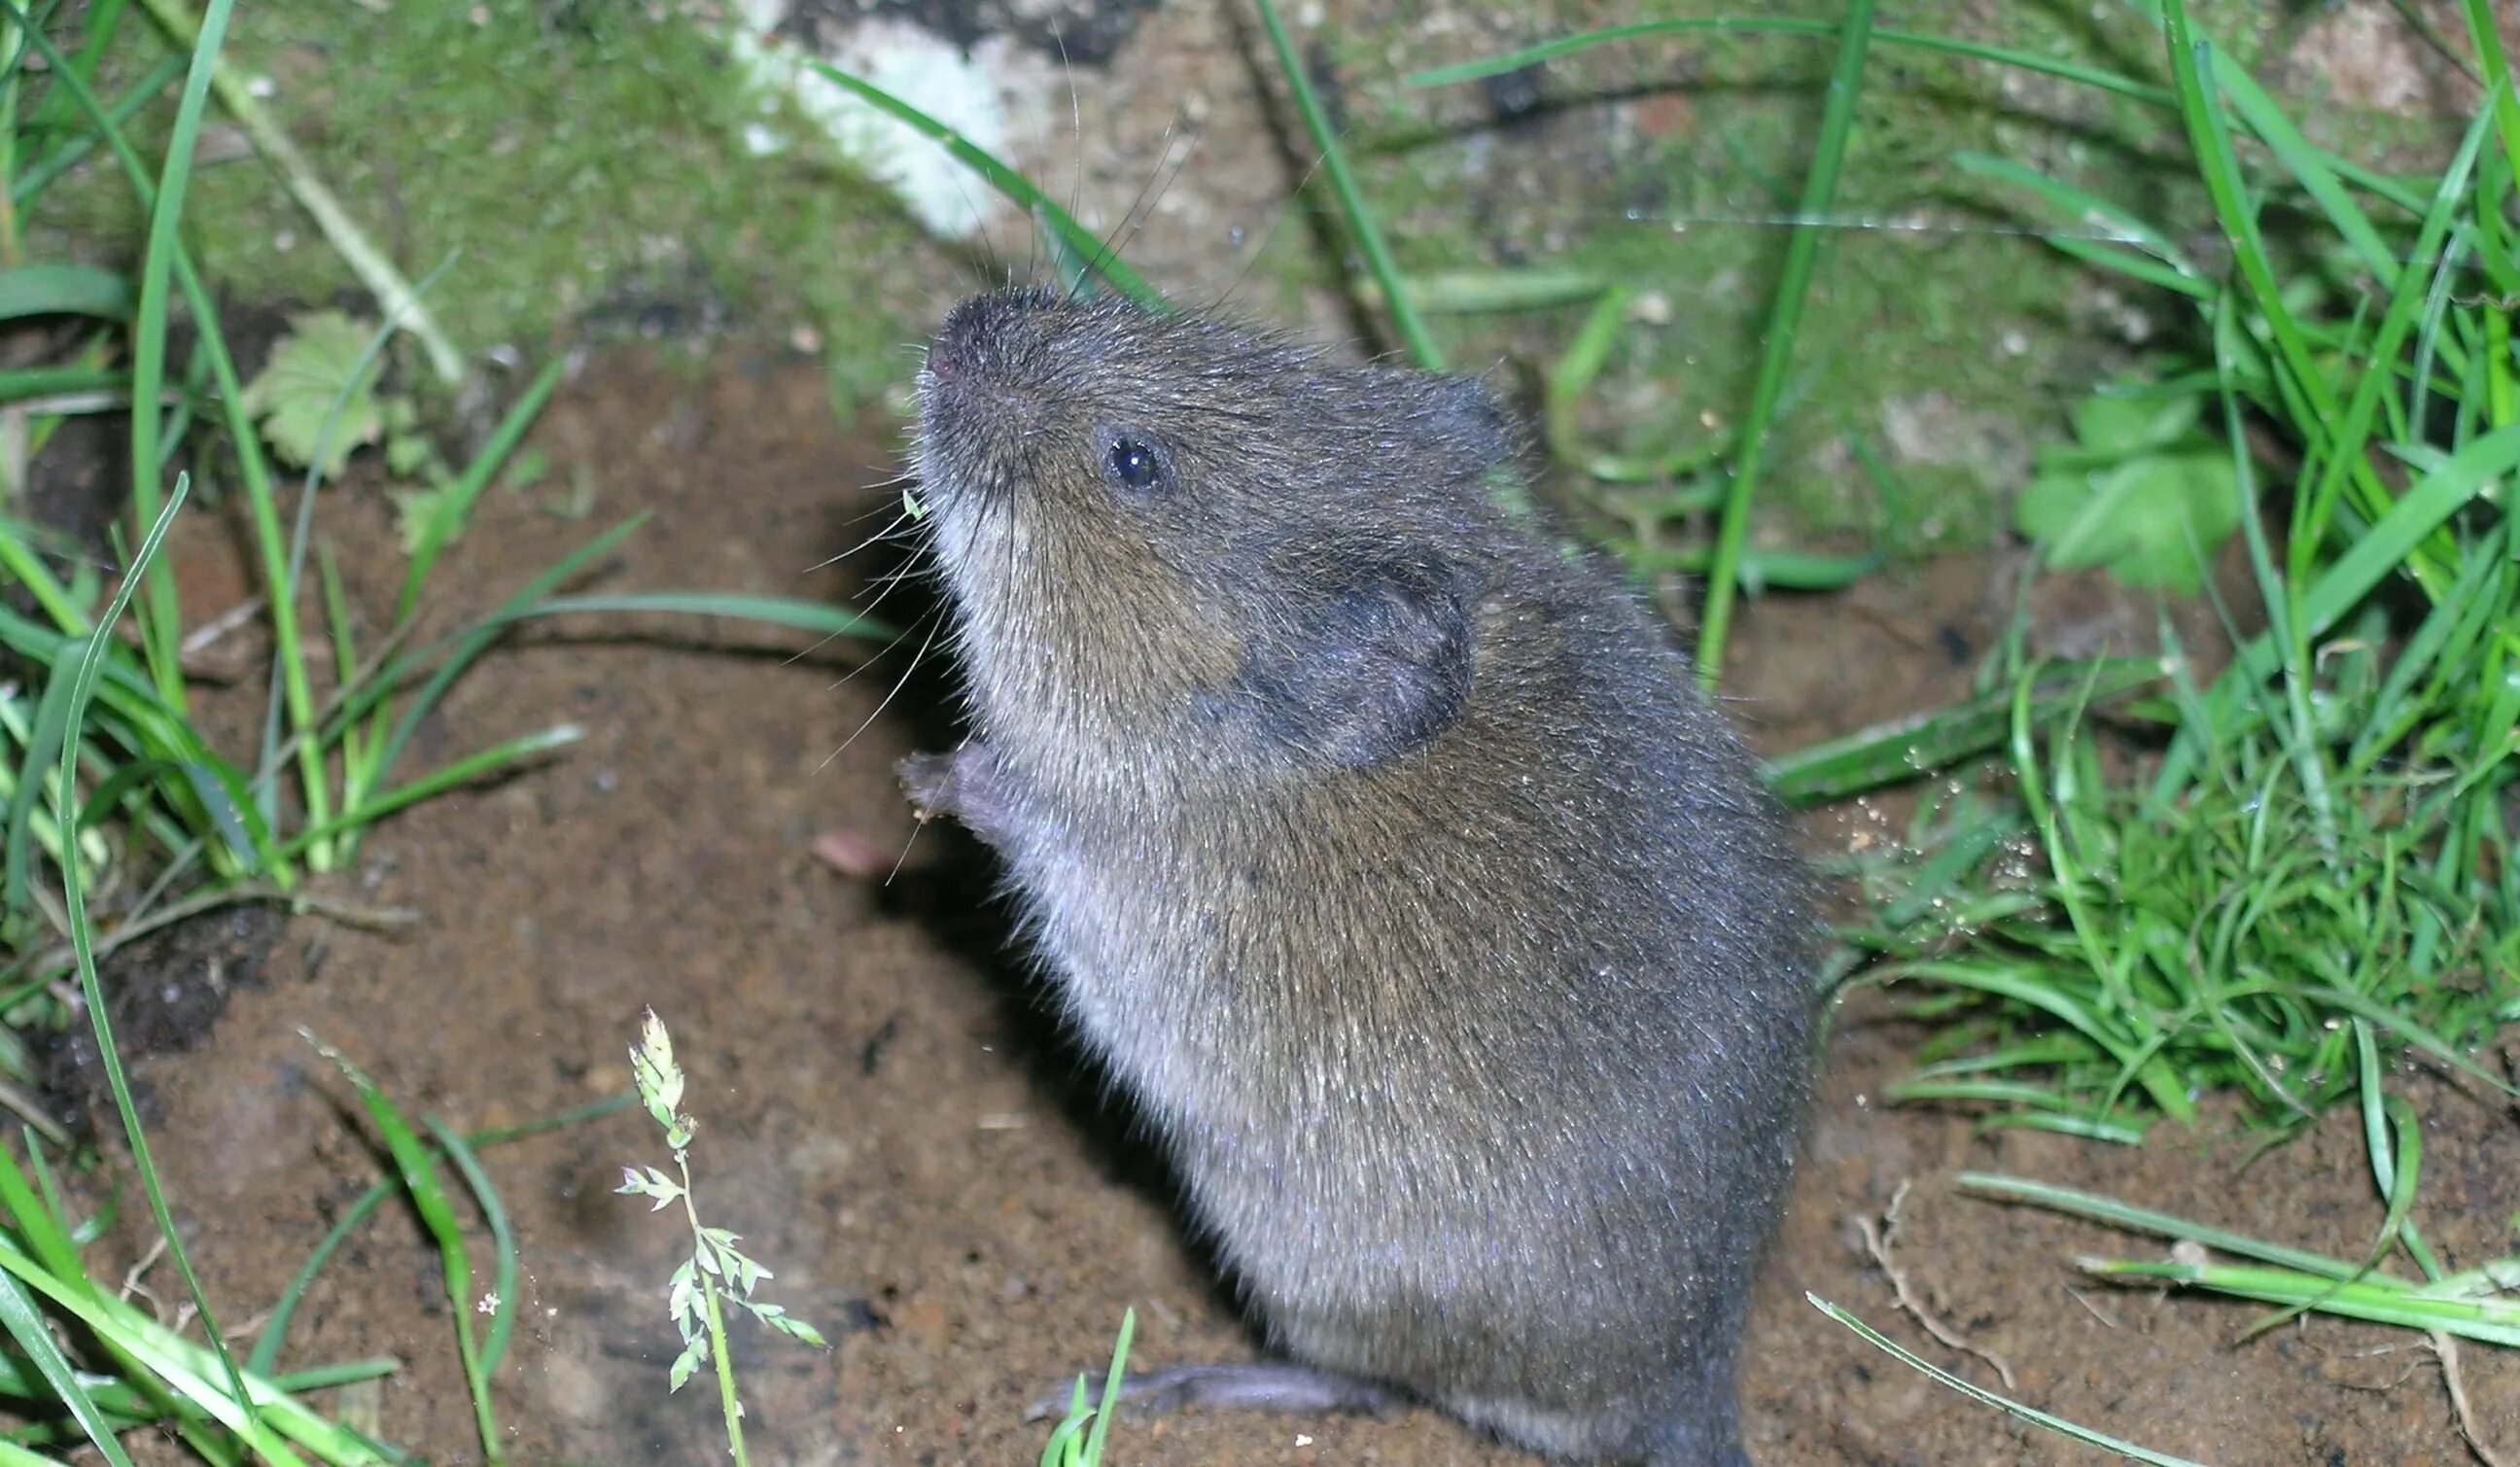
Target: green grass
<point>2318,856</point>
<point>123,818</point>
<point>580,165</point>
<point>2272,882</point>
<point>2311,876</point>
<point>1082,1434</point>
<point>2320,843</point>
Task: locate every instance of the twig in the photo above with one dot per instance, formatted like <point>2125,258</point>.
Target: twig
<point>1876,1241</point>
<point>2448,1350</point>
<point>2095,1312</point>
<point>347,913</point>
<point>17,1098</point>
<point>401,304</point>
<point>200,640</point>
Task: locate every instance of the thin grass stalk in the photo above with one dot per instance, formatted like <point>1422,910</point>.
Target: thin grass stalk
<point>1360,223</point>
<point>268,539</point>
<point>1100,257</point>
<point>160,617</point>
<point>1802,247</point>
<point>74,898</point>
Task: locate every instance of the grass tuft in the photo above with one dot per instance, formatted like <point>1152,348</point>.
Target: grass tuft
<point>2318,856</point>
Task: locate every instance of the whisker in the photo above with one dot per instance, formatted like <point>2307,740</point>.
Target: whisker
<point>904,682</point>
<point>899,518</point>
<point>901,859</point>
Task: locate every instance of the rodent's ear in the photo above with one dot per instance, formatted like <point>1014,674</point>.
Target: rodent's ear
<point>1376,661</point>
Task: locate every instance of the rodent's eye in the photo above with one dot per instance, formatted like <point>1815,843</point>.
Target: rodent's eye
<point>1134,462</point>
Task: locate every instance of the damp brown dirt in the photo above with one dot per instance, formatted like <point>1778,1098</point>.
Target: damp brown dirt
<point>897,1134</point>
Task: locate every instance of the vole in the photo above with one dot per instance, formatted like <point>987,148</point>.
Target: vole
<point>1380,847</point>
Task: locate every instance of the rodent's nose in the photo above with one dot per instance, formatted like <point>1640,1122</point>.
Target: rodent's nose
<point>949,355</point>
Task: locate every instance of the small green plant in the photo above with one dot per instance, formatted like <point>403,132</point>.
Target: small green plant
<point>416,1170</point>
<point>316,399</point>
<point>2274,881</point>
<point>2143,490</point>
<point>1079,1438</point>
<point>716,1275</point>
<point>209,824</point>
<point>2321,852</point>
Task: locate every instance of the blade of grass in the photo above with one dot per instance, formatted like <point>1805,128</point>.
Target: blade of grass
<point>275,1330</point>
<point>1530,55</point>
<point>64,290</point>
<point>1087,247</point>
<point>1488,292</point>
<point>54,1252</point>
<point>1981,1394</point>
<point>291,689</point>
<point>160,618</point>
<point>2310,166</point>
<point>1096,1440</point>
<point>2486,37</point>
<point>1902,748</point>
<point>2275,594</point>
<point>74,898</point>
<point>1756,569</point>
<point>43,746</point>
<point>420,1184</point>
<point>29,184</point>
<point>2405,311</point>
<point>1802,245</point>
<point>174,1358</point>
<point>1361,225</point>
<point>467,646</point>
<point>2117,1213</point>
<point>242,436</point>
<point>816,617</point>
<point>26,1325</point>
<point>435,783</point>
<point>2369,180</point>
<point>456,504</point>
<point>2167,266</point>
<point>2418,512</point>
<point>2380,1113</point>
<point>2494,1320</point>
<point>503,1242</point>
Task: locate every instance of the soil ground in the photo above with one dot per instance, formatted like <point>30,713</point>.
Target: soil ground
<point>894,1130</point>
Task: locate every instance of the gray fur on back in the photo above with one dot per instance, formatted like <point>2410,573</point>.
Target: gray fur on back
<point>1381,850</point>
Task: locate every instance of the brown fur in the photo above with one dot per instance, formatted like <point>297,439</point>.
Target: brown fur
<point>1383,852</point>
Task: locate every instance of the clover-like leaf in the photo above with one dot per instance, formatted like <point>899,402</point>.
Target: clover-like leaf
<point>313,397</point>
<point>2153,520</point>
<point>2125,425</point>
<point>2142,491</point>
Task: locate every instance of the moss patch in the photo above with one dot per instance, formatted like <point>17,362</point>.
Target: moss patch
<point>576,162</point>
<point>1940,336</point>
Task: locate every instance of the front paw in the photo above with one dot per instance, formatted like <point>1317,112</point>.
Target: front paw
<point>930,782</point>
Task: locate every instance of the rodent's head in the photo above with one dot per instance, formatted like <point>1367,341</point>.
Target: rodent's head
<point>1166,535</point>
